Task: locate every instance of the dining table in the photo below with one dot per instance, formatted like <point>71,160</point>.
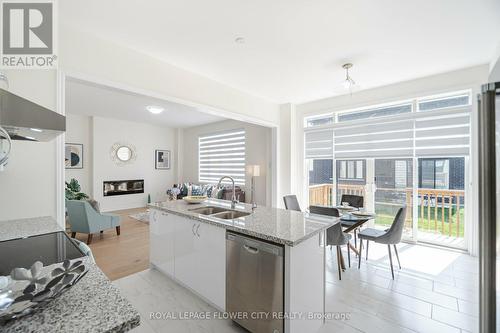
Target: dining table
<point>351,222</point>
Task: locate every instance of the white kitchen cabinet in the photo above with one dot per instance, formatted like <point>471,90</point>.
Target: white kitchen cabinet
<point>185,260</point>
<point>192,252</point>
<point>162,234</point>
<point>200,258</point>
<point>210,249</point>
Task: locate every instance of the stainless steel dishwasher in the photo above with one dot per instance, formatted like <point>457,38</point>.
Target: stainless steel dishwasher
<point>254,283</point>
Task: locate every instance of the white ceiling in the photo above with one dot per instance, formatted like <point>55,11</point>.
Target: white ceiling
<point>89,99</point>
<point>294,49</point>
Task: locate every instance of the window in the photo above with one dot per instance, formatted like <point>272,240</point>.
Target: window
<point>222,154</point>
<point>350,170</point>
<point>319,120</point>
<point>459,99</point>
<point>375,112</point>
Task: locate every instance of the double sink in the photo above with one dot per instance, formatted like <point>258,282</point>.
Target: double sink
<point>219,212</point>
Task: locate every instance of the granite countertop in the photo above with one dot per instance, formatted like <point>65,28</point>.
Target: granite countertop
<point>273,224</point>
<point>94,304</point>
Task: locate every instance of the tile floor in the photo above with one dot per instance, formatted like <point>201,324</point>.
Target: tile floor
<point>436,291</point>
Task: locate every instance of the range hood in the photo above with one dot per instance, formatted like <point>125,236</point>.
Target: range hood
<point>25,120</point>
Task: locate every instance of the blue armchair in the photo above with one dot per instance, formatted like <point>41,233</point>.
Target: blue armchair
<point>85,219</point>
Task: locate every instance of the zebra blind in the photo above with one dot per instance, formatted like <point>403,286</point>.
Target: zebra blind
<point>416,135</point>
<point>319,144</point>
<point>222,154</point>
<point>381,139</point>
<point>450,134</point>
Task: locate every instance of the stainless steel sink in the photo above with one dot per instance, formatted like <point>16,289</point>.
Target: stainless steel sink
<point>208,210</point>
<point>230,214</point>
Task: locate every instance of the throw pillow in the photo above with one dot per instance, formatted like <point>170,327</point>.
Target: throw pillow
<point>184,189</point>
<point>196,190</point>
<point>94,205</point>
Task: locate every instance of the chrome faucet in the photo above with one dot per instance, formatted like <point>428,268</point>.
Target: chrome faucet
<point>233,198</point>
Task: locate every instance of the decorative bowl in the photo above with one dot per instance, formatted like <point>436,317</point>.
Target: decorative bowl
<point>194,199</point>
<point>27,290</point>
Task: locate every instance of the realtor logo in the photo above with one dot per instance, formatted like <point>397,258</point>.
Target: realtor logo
<point>28,34</point>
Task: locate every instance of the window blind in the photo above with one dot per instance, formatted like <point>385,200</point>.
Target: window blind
<point>319,144</point>
<point>417,134</point>
<point>380,139</point>
<point>222,154</point>
<point>449,135</point>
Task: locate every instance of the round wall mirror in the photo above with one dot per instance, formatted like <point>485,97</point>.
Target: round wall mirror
<point>124,153</point>
<point>5,146</point>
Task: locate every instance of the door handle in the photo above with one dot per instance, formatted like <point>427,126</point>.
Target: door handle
<point>198,228</point>
<point>251,249</point>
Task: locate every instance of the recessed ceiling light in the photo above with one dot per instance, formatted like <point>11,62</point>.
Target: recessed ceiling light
<point>154,109</point>
<point>36,130</point>
<point>239,40</point>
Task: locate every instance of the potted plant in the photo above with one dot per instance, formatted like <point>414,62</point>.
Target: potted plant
<point>73,191</point>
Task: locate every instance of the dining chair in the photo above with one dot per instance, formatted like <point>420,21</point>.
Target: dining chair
<point>291,202</point>
<point>334,235</point>
<point>391,236</point>
<point>355,201</point>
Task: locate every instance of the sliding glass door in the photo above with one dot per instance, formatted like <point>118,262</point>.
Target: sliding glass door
<point>411,153</point>
<point>394,189</point>
<point>441,200</point>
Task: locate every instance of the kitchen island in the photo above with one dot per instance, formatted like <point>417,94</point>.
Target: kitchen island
<point>92,305</point>
<point>188,243</point>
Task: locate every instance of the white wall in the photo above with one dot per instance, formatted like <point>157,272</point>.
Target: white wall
<point>28,184</point>
<point>495,66</point>
<point>99,167</point>
<point>79,130</point>
<point>258,152</point>
<point>88,56</point>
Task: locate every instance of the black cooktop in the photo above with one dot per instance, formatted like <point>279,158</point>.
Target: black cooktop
<point>49,248</point>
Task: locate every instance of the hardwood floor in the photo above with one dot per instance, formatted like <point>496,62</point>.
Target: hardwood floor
<point>120,256</point>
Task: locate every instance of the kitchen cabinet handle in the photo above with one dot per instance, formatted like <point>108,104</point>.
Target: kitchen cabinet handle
<point>198,228</point>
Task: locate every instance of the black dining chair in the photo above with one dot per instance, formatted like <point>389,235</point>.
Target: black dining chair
<point>291,202</point>
<point>355,201</point>
<point>391,236</point>
<point>334,235</point>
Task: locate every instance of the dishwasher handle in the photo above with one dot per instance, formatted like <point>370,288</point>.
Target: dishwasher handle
<point>255,246</point>
<point>251,249</point>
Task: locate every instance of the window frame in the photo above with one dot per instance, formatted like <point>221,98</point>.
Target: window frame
<point>354,162</point>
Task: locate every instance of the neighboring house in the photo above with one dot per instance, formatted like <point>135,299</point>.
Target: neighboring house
<point>435,173</point>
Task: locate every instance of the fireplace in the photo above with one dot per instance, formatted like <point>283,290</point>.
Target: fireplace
<point>122,187</point>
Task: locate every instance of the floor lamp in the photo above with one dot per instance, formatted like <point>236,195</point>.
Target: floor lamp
<point>254,172</point>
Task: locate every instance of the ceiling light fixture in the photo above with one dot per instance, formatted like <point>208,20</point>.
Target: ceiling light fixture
<point>348,82</point>
<point>154,109</point>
